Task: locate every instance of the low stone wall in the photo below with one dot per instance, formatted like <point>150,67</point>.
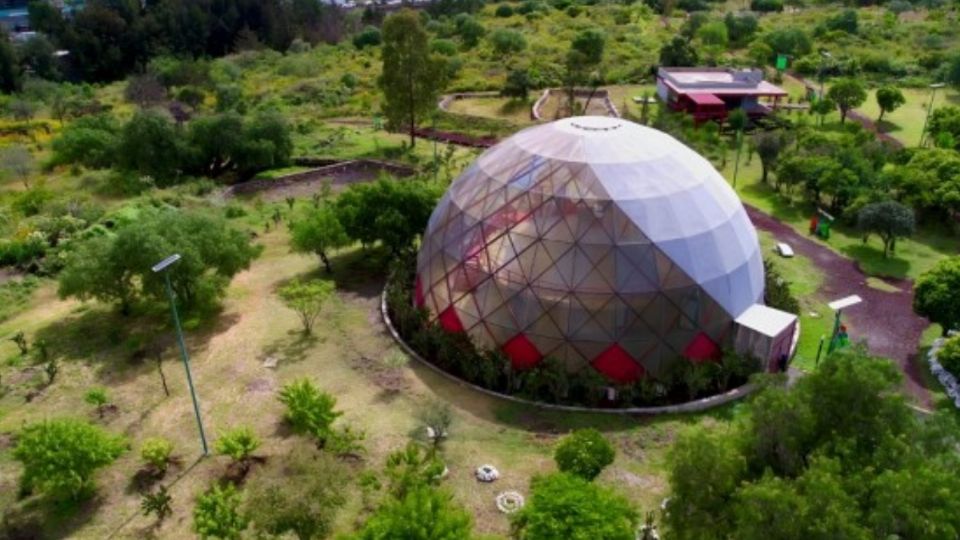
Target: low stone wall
<point>602,94</point>
<point>699,405</point>
<point>324,168</point>
<point>450,98</point>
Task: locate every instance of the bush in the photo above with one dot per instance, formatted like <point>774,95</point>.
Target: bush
<point>301,493</point>
<point>504,10</point>
<point>777,292</point>
<point>217,514</point>
<point>239,444</point>
<point>584,453</point>
<point>59,457</point>
<point>157,453</point>
<point>369,37</point>
<point>766,5</point>
<point>423,513</point>
<point>566,506</point>
<point>949,356</point>
<point>310,411</point>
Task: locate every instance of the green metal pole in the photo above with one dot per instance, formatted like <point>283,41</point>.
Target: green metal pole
<point>836,330</point>
<point>736,164</point>
<point>186,362</point>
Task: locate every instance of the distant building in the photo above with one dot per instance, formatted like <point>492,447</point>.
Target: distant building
<point>710,93</point>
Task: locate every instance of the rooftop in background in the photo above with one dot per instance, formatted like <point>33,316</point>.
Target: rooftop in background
<point>718,81</point>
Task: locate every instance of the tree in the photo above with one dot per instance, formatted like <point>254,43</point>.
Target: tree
<point>949,355</point>
<point>302,494</point>
<point>411,468</point>
<point>423,514</point>
<point>768,145</point>
<point>90,141</point>
<point>239,444</point>
<point>368,37</point>
<point>945,120</point>
<point>590,43</point>
<point>98,398</point>
<point>517,85</point>
<point>16,160</point>
<point>310,411</point>
<point>307,299</point>
<point>507,42</point>
<point>678,52</point>
<point>889,99</point>
<point>889,220</point>
<point>217,513</point>
<point>435,420</point>
<point>391,212</point>
<point>584,453</point>
<point>37,56</point>
<point>157,452</point>
<point>144,90</point>
<point>704,472</point>
<point>318,231</point>
<point>714,34</point>
<point>566,506</point>
<point>149,145</point>
<point>9,67</point>
<point>935,295</point>
<point>157,503</point>
<point>470,31</point>
<point>412,79</point>
<point>847,94</point>
<point>952,71</point>
<point>822,107</point>
<point>741,27</point>
<point>116,267</point>
<point>59,457</point>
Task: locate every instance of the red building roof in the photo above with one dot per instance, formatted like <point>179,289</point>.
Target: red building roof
<point>701,98</point>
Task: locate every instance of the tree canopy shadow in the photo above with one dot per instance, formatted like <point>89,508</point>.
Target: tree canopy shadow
<point>871,261</point>
<point>293,347</point>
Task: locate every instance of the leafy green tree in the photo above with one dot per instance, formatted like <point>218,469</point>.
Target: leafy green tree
<point>368,37</point>
<point>318,231</point>
<point>740,27</point>
<point>845,21</point>
<point>300,494</point>
<point>307,299</point>
<point>149,145</point>
<point>789,40</point>
<point>517,85</point>
<point>506,42</point>
<point>423,514</point>
<point>678,52</point>
<point>391,212</point>
<point>590,43</point>
<point>952,71</point>
<point>936,294</point>
<point>310,411</point>
<point>584,453</point>
<point>157,453</point>
<point>91,141</point>
<point>412,79</point>
<point>217,513</point>
<point>17,161</point>
<point>566,506</point>
<point>714,34</point>
<point>946,120</point>
<point>59,457</point>
<point>847,94</point>
<point>117,266</point>
<point>704,473</point>
<point>37,55</point>
<point>9,67</point>
<point>768,508</point>
<point>889,99</point>
<point>266,143</point>
<point>215,142</point>
<point>470,31</point>
<point>768,145</point>
<point>239,444</point>
<point>889,220</point>
<point>98,398</point>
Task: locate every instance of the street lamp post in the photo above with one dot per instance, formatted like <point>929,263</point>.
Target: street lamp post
<point>933,92</point>
<point>158,268</point>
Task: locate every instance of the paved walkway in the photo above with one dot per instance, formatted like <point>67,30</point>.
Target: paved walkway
<point>885,319</point>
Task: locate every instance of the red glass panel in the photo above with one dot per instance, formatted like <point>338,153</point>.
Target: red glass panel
<point>617,365</point>
<point>522,352</point>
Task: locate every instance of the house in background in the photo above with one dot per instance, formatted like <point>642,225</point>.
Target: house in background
<point>710,93</point>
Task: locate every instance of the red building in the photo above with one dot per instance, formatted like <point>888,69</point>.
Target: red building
<point>710,93</point>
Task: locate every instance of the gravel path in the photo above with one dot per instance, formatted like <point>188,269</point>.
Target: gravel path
<point>885,319</point>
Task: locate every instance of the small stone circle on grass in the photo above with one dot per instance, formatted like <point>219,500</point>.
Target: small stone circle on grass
<point>509,502</point>
<point>487,473</point>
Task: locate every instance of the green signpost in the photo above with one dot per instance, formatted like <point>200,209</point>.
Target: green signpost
<point>781,62</point>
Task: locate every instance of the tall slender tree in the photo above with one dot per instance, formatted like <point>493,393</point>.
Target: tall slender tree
<point>412,78</point>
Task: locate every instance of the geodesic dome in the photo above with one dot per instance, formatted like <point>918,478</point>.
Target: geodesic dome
<point>595,241</point>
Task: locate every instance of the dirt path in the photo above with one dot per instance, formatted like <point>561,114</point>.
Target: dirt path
<point>884,319</point>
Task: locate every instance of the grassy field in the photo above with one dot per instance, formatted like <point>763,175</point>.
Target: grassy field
<point>906,123</point>
<point>345,358</point>
<point>493,107</point>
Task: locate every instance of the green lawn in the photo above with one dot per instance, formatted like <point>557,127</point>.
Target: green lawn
<point>511,110</point>
<point>906,123</point>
